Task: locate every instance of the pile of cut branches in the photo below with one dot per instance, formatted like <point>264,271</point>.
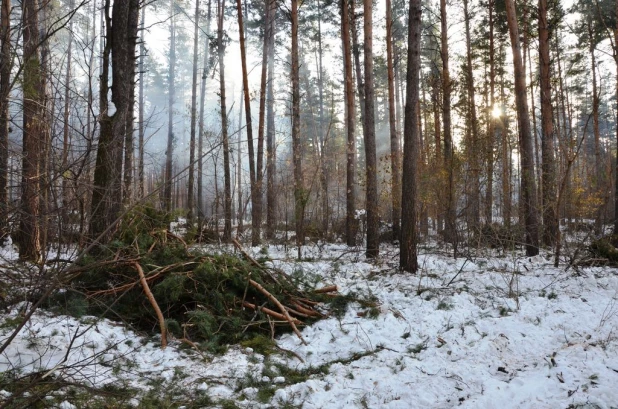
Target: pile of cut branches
<point>602,251</point>
<point>154,281</point>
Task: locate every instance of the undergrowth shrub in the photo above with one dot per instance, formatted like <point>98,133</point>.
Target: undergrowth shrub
<point>500,236</point>
<point>605,247</point>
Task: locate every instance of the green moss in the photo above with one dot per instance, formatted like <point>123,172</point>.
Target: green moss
<point>265,394</point>
<point>442,305</point>
<point>261,344</point>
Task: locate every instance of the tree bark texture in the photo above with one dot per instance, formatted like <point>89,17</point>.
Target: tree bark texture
<point>256,191</point>
<point>528,186</point>
<point>120,46</point>
<point>369,133</point>
<point>299,190</point>
<point>474,209</point>
<point>227,180</point>
<point>351,222</point>
<point>271,194</point>
<point>33,136</point>
<point>394,136</point>
<point>450,227</point>
<point>5,76</point>
<point>616,172</point>
<point>491,136</point>
<point>200,143</point>
<point>191,185</point>
<point>408,251</point>
<point>548,200</point>
<point>141,126</point>
<point>169,152</point>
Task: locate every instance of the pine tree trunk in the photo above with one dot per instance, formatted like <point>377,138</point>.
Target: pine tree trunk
<point>200,143</point>
<point>474,218</point>
<point>616,175</point>
<point>408,252</point>
<point>33,137</point>
<point>227,182</point>
<point>120,46</point>
<point>169,153</point>
<point>256,192</point>
<point>369,132</point>
<point>548,204</point>
<point>356,52</point>
<point>437,130</point>
<point>5,77</point>
<point>528,188</point>
<point>299,190</point>
<point>503,136</point>
<point>129,149</point>
<point>191,187</point>
<point>239,200</point>
<point>322,136</point>
<point>66,127</point>
<point>491,134</point>
<point>596,101</point>
<point>350,225</point>
<point>141,127</point>
<point>271,194</point>
<point>450,227</point>
<point>394,136</point>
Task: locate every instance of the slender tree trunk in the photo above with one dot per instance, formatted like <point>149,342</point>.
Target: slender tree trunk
<point>356,52</point>
<point>271,195</point>
<point>322,136</point>
<point>437,130</point>
<point>450,228</point>
<point>426,164</point>
<point>141,126</point>
<point>535,134</point>
<point>350,225</point>
<point>550,218</point>
<point>5,77</point>
<point>595,111</point>
<point>256,192</point>
<point>369,132</point>
<point>169,153</point>
<point>239,207</point>
<point>491,136</point>
<point>528,188</point>
<point>191,187</point>
<point>66,126</point>
<point>33,136</point>
<point>46,119</point>
<point>408,252</point>
<point>129,148</point>
<point>474,219</point>
<point>299,190</point>
<point>596,101</point>
<point>395,149</point>
<point>227,182</point>
<point>106,201</point>
<point>84,193</point>
<point>616,176</point>
<point>200,143</point>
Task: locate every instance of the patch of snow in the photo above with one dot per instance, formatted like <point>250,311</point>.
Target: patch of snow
<point>490,332</point>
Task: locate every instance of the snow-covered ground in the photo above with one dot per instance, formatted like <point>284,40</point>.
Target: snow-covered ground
<point>488,332</point>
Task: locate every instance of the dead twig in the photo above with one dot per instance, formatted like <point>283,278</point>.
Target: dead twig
<point>153,302</point>
<point>280,306</point>
<point>272,313</point>
<point>327,289</point>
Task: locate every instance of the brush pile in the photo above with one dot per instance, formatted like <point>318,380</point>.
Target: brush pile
<point>153,280</point>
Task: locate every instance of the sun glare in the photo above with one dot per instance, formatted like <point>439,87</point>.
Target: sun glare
<point>496,112</point>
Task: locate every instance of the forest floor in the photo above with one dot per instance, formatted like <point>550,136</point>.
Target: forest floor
<point>494,331</point>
